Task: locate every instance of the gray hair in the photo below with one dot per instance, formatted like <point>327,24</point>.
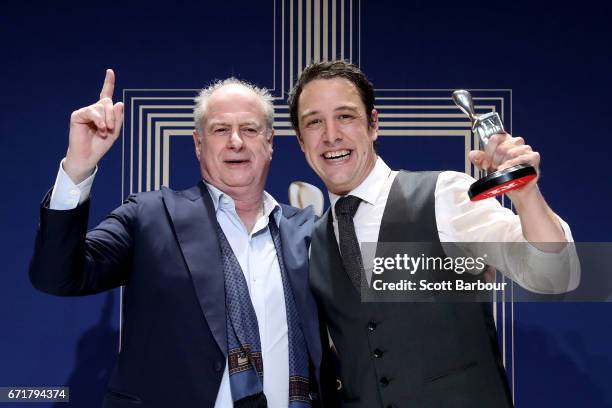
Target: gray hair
<point>201,101</point>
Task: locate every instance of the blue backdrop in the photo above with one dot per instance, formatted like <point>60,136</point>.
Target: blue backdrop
<point>554,58</point>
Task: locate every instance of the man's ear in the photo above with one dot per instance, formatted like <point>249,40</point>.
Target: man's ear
<point>374,125</point>
<point>299,138</point>
<point>196,143</point>
<point>270,138</point>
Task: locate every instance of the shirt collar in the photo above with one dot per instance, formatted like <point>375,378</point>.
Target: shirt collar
<point>371,187</point>
<point>223,201</point>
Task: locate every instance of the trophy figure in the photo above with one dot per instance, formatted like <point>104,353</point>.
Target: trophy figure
<point>485,126</point>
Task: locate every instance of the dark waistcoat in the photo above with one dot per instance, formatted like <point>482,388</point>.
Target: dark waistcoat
<point>406,354</point>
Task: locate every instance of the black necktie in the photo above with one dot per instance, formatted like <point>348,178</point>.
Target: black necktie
<point>346,207</point>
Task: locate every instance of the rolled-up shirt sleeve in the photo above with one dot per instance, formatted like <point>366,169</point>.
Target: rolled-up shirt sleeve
<point>486,227</point>
<point>66,195</point>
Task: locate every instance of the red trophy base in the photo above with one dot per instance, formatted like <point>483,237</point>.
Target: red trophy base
<point>502,181</point>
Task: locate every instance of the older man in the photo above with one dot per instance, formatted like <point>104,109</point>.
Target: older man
<point>217,306</point>
<point>411,354</point>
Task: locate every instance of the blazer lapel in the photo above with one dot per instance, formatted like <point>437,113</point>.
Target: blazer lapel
<point>294,232</point>
<point>193,215</point>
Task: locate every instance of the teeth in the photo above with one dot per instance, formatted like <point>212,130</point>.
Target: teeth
<point>337,154</point>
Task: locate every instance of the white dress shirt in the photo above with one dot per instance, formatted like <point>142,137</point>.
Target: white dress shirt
<point>480,225</point>
<point>257,257</point>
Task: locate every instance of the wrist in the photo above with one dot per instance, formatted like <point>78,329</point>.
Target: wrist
<point>76,173</point>
<point>525,197</point>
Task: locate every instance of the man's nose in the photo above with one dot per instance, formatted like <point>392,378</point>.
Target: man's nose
<point>331,134</point>
<point>235,141</point>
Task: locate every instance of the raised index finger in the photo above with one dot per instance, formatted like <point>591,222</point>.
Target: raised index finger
<point>109,85</point>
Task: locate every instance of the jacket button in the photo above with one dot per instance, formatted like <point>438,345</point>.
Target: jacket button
<point>372,326</point>
<point>378,353</point>
<point>218,366</point>
<point>384,381</point>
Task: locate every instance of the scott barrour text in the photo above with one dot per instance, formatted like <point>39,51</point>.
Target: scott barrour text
<point>447,285</point>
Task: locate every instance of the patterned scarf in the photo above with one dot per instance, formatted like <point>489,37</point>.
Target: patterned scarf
<point>243,342</point>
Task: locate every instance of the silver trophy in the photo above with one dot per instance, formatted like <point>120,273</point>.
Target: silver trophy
<point>485,126</point>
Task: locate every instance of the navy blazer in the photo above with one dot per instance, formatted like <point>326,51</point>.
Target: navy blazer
<point>163,247</point>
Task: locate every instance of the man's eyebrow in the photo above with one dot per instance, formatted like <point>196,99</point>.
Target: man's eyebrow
<point>346,107</point>
<point>309,113</point>
<point>351,108</point>
<point>217,123</point>
<point>253,123</point>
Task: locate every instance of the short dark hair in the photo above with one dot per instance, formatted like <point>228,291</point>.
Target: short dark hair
<point>331,70</point>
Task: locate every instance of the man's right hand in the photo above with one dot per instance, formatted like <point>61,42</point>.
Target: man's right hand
<point>93,130</point>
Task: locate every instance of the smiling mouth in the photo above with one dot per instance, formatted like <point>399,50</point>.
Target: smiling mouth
<point>236,162</point>
<point>337,155</point>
